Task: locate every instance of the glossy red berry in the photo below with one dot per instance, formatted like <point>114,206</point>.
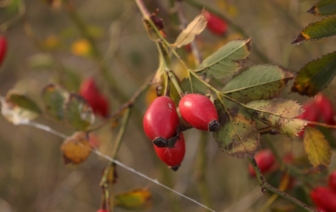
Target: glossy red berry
<point>172,156</point>
<point>90,92</point>
<point>161,120</point>
<point>325,108</point>
<point>198,111</point>
<point>3,48</point>
<point>332,181</point>
<point>215,24</point>
<point>324,198</point>
<point>265,160</point>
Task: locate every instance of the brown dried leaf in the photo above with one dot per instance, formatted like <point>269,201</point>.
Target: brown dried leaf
<point>76,149</point>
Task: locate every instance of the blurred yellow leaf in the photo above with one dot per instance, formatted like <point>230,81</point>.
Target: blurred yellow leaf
<point>76,149</point>
<point>317,148</point>
<point>51,42</point>
<point>135,199</point>
<point>81,47</point>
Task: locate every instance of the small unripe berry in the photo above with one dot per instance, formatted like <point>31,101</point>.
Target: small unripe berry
<point>198,111</point>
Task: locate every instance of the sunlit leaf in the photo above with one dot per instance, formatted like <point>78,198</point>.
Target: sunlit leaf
<point>280,107</point>
<point>78,113</point>
<point>315,75</point>
<point>280,114</point>
<point>238,134</point>
<point>76,149</point>
<point>195,27</point>
<point>18,108</point>
<point>317,30</point>
<point>136,199</point>
<point>324,7</point>
<point>54,98</point>
<point>317,148</point>
<point>257,82</point>
<point>225,61</point>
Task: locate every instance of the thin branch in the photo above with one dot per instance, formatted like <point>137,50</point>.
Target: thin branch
<point>267,187</point>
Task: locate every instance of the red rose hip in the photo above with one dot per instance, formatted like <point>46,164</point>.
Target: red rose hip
<point>265,160</point>
<point>324,198</point>
<point>161,120</point>
<point>90,92</point>
<point>325,107</point>
<point>3,48</point>
<point>332,181</point>
<point>172,156</point>
<point>215,24</point>
<point>199,112</point>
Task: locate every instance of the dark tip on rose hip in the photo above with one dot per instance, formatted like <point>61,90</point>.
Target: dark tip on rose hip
<point>160,142</point>
<point>214,126</point>
<point>175,168</point>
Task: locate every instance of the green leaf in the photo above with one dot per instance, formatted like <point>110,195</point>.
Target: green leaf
<point>315,75</point>
<point>54,98</point>
<point>226,60</point>
<point>197,85</point>
<point>238,134</point>
<point>323,7</point>
<point>18,108</point>
<point>195,27</point>
<point>257,82</point>
<point>136,199</point>
<point>317,148</point>
<point>78,113</point>
<point>280,114</point>
<point>317,30</point>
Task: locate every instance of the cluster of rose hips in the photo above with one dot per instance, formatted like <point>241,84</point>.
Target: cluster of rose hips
<point>3,48</point>
<point>319,109</point>
<point>162,124</point>
<point>325,197</point>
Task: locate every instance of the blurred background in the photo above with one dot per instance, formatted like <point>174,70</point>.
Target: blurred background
<point>33,176</point>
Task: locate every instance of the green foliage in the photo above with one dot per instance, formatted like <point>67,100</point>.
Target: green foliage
<point>136,199</point>
<point>54,98</point>
<point>315,75</point>
<point>225,61</point>
<point>324,7</point>
<point>238,134</point>
<point>78,113</point>
<point>317,30</point>
<point>257,82</point>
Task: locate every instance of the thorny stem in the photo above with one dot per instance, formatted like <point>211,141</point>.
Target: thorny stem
<point>104,184</point>
<point>267,187</point>
<point>235,27</point>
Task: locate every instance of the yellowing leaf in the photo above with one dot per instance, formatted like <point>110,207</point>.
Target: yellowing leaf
<point>18,108</point>
<point>194,28</point>
<point>136,199</point>
<point>76,148</point>
<point>238,134</point>
<point>317,148</point>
